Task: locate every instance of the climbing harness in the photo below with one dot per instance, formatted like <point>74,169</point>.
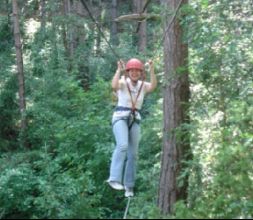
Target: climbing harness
<point>127,208</point>
<point>126,118</point>
<point>132,116</point>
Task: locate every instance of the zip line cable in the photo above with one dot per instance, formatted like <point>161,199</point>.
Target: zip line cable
<point>103,35</point>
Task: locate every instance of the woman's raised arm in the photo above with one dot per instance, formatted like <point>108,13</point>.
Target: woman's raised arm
<point>153,80</point>
<point>116,78</point>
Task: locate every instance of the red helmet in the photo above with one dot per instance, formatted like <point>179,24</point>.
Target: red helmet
<point>134,64</point>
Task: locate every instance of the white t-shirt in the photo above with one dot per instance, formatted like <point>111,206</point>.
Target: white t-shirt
<point>124,98</point>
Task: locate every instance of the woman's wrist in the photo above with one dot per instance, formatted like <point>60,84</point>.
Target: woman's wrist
<point>152,70</point>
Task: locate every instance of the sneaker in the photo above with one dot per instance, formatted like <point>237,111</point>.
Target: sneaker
<point>115,185</point>
<point>129,192</point>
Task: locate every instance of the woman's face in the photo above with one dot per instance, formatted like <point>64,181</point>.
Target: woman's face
<point>135,74</point>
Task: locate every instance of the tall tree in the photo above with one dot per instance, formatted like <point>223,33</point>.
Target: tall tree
<point>176,145</point>
<point>69,11</point>
<point>114,26</point>
<point>20,67</point>
<point>43,14</point>
<point>4,8</point>
<point>142,28</point>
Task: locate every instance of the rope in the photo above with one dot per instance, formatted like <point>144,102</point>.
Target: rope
<point>127,208</point>
<point>169,25</point>
<point>145,6</point>
<point>100,29</point>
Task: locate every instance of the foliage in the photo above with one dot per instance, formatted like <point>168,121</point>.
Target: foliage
<point>221,174</point>
<point>62,172</point>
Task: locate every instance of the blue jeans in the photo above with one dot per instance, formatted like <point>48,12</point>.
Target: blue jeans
<point>124,159</point>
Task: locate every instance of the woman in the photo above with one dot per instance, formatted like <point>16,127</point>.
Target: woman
<point>131,90</point>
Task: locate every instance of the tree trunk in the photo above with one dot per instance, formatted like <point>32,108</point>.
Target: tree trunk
<point>114,26</point>
<point>69,31</point>
<point>97,32</point>
<point>70,39</point>
<point>142,30</point>
<point>71,28</point>
<point>64,29</point>
<point>20,68</point>
<point>176,145</point>
<point>43,14</point>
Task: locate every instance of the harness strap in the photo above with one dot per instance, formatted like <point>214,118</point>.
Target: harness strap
<point>134,102</point>
<point>127,119</point>
<point>121,108</point>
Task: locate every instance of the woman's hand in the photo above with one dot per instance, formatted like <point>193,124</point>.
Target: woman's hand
<point>121,66</point>
<point>151,65</point>
<point>116,79</point>
<point>153,81</point>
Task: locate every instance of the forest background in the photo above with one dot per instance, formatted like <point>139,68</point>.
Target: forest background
<point>54,165</point>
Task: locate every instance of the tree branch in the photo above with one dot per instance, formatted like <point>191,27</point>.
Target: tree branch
<point>137,17</point>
